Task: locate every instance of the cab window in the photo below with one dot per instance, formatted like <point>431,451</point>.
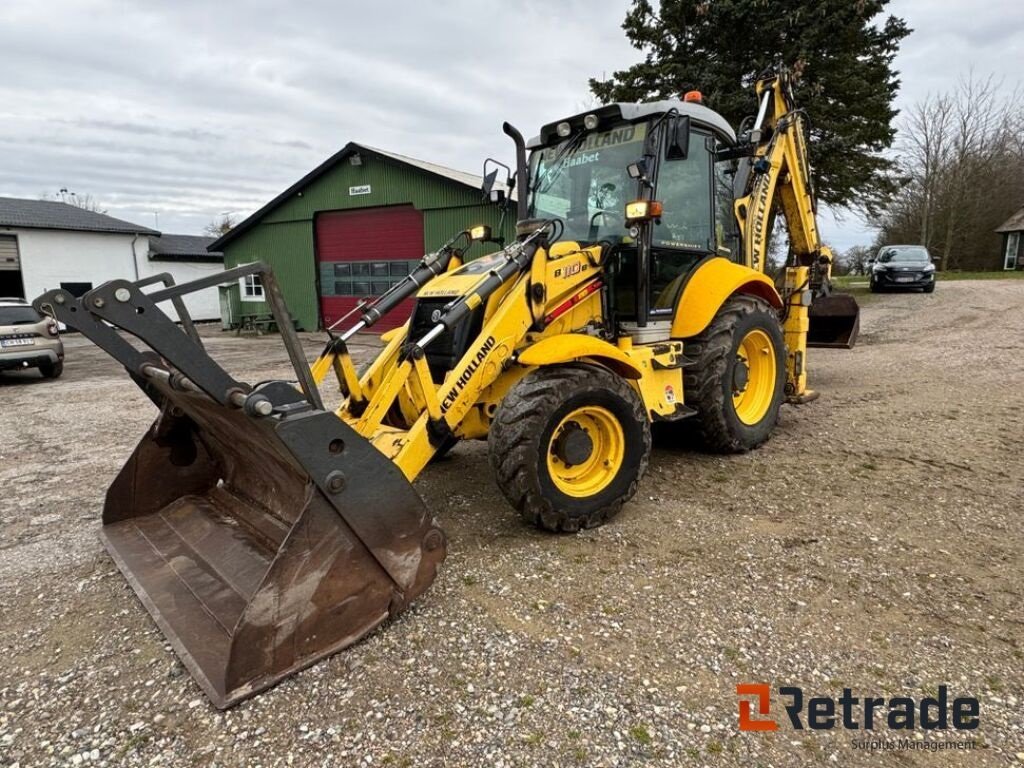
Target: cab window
<point>727,231</point>
<point>685,233</point>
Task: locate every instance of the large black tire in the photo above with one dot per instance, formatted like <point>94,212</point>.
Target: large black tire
<point>708,385</point>
<point>930,288</point>
<point>523,434</point>
<point>874,286</point>
<point>52,370</point>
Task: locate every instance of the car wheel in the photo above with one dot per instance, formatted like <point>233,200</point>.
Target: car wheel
<point>930,288</point>
<point>874,286</point>
<point>51,370</point>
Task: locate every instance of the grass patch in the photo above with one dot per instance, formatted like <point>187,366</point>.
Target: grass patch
<point>715,748</point>
<point>641,735</point>
<point>526,701</point>
<point>131,744</point>
<point>998,275</point>
<point>994,683</point>
<point>859,283</point>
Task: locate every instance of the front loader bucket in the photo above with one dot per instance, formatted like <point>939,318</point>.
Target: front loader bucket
<point>260,531</point>
<point>256,548</point>
<point>834,321</point>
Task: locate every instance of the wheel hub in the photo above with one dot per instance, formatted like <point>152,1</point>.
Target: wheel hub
<point>740,375</point>
<point>573,445</point>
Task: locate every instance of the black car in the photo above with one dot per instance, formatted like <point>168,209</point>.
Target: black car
<point>903,267</point>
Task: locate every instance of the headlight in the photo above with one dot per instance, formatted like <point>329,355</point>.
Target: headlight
<point>930,268</point>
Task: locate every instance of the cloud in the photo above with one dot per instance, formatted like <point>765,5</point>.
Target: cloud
<point>192,108</point>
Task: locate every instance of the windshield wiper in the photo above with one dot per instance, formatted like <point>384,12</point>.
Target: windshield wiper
<point>550,173</point>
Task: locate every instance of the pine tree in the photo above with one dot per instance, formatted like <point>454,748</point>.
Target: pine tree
<point>840,51</point>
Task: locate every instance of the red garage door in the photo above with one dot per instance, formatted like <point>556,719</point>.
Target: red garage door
<point>362,253</point>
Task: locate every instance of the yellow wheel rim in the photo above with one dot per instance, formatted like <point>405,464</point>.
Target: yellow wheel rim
<point>753,384</point>
<point>585,452</point>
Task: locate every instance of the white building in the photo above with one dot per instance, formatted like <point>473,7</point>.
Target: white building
<point>46,244</point>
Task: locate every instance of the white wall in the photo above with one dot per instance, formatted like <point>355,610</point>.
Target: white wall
<point>202,305</point>
<point>52,257</point>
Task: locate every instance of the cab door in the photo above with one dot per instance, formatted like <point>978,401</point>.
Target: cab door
<point>686,233</point>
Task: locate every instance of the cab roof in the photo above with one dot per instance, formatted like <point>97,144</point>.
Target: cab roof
<point>635,112</point>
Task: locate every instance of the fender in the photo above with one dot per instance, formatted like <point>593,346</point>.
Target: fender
<point>709,286</point>
<point>566,347</point>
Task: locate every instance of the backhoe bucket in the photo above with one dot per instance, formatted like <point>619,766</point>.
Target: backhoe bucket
<point>260,531</point>
<point>834,321</point>
<point>260,548</point>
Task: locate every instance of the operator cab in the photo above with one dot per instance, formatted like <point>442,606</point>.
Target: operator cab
<point>585,170</point>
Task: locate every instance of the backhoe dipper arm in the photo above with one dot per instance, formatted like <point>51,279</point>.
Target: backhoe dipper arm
<point>779,165</point>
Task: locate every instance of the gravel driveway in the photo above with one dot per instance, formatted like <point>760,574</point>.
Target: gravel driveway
<point>874,543</point>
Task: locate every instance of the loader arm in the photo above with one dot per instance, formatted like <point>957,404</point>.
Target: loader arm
<point>776,178</point>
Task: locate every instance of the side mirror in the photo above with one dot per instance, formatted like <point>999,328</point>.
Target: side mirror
<point>490,187</point>
<point>677,136</point>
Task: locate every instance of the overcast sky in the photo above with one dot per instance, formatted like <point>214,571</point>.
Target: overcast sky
<point>190,108</point>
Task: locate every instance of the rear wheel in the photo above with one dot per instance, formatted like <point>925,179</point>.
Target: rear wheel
<point>738,381</point>
<point>569,445</point>
<point>51,370</point>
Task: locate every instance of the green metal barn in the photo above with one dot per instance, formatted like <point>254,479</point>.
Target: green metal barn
<point>349,229</point>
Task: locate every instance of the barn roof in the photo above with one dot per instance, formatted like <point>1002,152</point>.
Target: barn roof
<point>50,214</point>
<point>183,248</point>
<point>459,177</point>
<point>1013,224</point>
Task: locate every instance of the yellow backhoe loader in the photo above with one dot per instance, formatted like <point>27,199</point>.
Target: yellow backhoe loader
<point>263,531</point>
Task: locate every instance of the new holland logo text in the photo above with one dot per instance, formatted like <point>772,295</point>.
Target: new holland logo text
<point>822,713</point>
<point>467,374</point>
<point>763,190</point>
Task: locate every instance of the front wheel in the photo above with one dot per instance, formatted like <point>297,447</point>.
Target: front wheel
<point>569,445</point>
<point>52,370</point>
<point>738,380</point>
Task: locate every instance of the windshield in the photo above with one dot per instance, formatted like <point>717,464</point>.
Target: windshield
<point>583,181</point>
<point>915,253</point>
<point>18,316</point>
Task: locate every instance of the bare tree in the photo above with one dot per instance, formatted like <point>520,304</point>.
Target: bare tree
<point>925,141</point>
<point>854,261</point>
<point>86,202</point>
<point>221,225</point>
<point>962,172</point>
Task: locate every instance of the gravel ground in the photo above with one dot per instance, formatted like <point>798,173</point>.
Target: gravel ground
<point>874,543</point>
